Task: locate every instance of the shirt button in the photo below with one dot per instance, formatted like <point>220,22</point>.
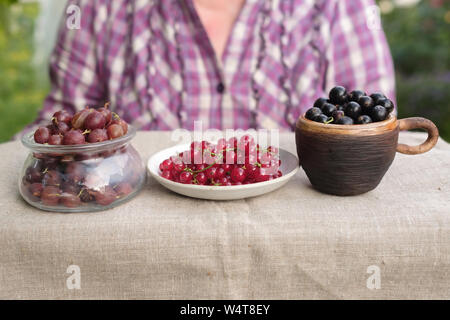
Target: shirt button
<point>220,87</point>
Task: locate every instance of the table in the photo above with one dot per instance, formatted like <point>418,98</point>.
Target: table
<point>294,243</point>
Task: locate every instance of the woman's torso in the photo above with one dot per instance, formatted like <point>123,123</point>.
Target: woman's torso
<point>163,73</point>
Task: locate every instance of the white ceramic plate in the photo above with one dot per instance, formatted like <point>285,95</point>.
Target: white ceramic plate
<point>289,166</point>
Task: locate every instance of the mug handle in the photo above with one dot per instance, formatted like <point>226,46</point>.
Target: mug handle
<point>418,123</point>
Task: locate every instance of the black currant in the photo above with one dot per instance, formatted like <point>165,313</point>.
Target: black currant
<point>337,115</point>
<point>376,96</point>
<point>344,120</point>
<point>312,113</point>
<point>355,95</point>
<point>364,119</point>
<point>320,102</point>
<point>338,95</point>
<point>378,113</point>
<point>340,107</point>
<point>366,104</point>
<point>388,104</point>
<point>321,118</point>
<point>328,109</point>
<point>353,110</point>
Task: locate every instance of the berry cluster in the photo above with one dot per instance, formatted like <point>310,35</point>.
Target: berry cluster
<point>75,180</point>
<point>86,126</point>
<point>71,180</point>
<point>355,107</point>
<point>227,163</point>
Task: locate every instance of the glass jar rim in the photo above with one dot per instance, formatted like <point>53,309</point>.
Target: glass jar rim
<point>28,141</point>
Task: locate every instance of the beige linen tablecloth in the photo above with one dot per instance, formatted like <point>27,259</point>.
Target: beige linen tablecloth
<point>292,243</point>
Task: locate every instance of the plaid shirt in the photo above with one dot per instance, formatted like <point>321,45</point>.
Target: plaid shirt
<point>153,61</point>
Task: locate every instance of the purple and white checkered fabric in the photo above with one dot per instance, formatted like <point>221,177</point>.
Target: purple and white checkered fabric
<point>153,60</point>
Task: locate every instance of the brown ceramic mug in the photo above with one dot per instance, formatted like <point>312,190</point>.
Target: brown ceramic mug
<point>352,159</point>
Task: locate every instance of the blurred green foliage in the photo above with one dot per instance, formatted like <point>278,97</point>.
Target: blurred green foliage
<point>419,38</point>
<point>21,92</point>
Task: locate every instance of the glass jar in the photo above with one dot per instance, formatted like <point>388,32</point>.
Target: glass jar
<point>81,178</point>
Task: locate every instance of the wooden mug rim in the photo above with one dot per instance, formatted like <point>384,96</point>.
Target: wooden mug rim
<point>353,129</point>
<point>375,128</point>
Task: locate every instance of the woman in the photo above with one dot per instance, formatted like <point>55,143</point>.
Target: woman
<point>229,63</point>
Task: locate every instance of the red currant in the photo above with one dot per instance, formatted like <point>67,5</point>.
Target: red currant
<point>222,181</point>
<point>179,166</point>
<point>175,174</point>
<point>238,174</point>
<point>201,178</point>
<point>186,177</point>
<point>167,164</point>
<point>232,162</point>
<point>227,168</point>
<point>251,171</point>
<point>211,172</point>
<point>262,177</point>
<point>220,173</point>
<point>167,174</point>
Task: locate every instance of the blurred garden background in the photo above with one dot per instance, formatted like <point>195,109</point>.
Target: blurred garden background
<point>418,32</point>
